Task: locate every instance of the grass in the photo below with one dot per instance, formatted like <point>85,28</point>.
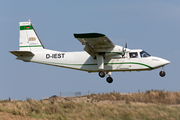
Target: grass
<point>153,96</point>
<point>151,105</point>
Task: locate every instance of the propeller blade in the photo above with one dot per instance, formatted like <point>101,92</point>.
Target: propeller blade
<point>126,45</point>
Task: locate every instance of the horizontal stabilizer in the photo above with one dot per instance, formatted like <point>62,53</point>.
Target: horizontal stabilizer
<point>22,53</point>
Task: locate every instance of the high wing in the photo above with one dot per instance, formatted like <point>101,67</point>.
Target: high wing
<point>94,42</point>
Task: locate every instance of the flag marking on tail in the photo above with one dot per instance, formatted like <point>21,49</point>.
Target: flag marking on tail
<point>27,27</point>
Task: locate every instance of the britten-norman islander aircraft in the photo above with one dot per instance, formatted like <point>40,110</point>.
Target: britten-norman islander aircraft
<point>100,55</point>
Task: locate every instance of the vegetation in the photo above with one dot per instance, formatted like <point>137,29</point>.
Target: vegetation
<point>153,96</point>
<point>150,105</point>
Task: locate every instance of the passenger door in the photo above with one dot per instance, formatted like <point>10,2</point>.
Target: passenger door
<point>134,61</point>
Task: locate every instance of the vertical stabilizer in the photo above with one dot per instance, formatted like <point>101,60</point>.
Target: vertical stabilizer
<point>28,39</point>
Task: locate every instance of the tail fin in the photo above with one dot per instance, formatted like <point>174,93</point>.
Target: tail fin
<point>28,39</point>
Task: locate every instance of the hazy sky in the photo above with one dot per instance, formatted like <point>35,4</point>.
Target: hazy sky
<point>153,26</point>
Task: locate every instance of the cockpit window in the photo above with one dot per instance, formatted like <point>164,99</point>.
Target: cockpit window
<point>133,55</point>
<point>144,54</point>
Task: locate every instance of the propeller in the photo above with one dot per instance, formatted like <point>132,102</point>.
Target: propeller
<point>124,49</point>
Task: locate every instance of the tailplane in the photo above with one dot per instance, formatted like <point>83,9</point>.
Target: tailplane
<point>28,39</point>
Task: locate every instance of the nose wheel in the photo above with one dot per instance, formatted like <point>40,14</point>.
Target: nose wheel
<point>162,73</point>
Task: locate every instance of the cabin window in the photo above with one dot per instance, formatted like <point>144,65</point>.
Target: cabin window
<point>133,55</point>
<point>144,54</point>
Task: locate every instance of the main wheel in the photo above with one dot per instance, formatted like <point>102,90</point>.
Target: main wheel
<point>101,74</point>
<point>109,79</point>
<point>162,73</point>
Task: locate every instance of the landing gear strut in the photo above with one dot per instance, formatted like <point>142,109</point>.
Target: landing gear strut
<point>162,73</point>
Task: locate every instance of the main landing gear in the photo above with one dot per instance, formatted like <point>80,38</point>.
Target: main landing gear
<point>100,61</point>
<point>162,73</point>
<point>101,74</point>
<point>108,79</point>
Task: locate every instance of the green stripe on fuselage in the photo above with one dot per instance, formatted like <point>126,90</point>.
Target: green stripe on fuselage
<point>130,63</point>
<point>32,46</point>
<point>114,53</point>
<point>96,64</point>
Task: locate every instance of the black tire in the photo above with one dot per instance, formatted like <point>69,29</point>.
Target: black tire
<point>101,74</point>
<point>109,79</point>
<point>162,73</point>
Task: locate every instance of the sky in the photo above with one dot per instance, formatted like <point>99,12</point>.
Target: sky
<point>153,26</point>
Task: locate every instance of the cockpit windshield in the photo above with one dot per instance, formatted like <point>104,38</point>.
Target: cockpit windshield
<point>144,54</point>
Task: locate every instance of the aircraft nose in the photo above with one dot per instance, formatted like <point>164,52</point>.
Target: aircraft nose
<point>165,62</point>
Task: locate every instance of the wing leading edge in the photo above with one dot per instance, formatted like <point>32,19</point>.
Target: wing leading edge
<point>94,42</point>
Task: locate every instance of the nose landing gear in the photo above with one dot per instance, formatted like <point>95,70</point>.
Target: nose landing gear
<point>162,73</point>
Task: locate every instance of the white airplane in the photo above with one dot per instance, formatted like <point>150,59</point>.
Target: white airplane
<point>101,54</point>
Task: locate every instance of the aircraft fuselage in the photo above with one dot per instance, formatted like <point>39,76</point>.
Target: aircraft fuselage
<point>83,61</point>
